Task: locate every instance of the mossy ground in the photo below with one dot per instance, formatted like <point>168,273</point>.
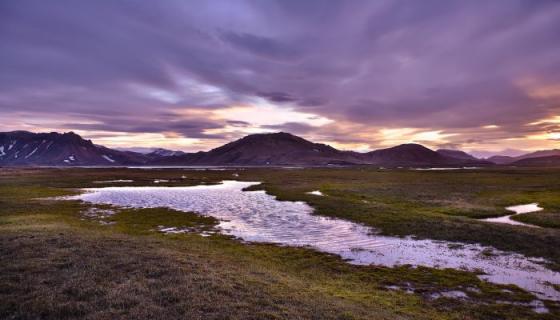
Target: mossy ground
<point>58,265</point>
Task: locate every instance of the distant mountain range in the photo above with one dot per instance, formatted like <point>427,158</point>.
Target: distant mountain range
<point>456,154</point>
<point>517,160</point>
<point>22,148</point>
<point>286,149</point>
<point>160,152</point>
<point>547,161</point>
<point>268,149</point>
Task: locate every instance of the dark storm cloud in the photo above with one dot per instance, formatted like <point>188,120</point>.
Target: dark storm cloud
<point>237,123</point>
<point>261,46</point>
<point>188,128</point>
<point>445,65</point>
<point>277,96</point>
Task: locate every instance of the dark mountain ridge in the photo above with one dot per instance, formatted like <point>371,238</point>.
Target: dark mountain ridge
<point>546,161</point>
<point>501,159</point>
<point>69,149</point>
<point>55,149</point>
<point>286,149</point>
<point>532,155</point>
<point>458,154</point>
<point>268,149</point>
<point>412,154</point>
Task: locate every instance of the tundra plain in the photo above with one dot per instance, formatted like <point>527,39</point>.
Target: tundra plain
<point>63,260</point>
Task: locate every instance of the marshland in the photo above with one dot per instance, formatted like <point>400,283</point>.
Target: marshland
<point>260,243</point>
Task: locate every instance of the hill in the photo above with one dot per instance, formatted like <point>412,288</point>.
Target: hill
<point>69,149</point>
<point>55,149</point>
<point>268,149</point>
<point>457,154</point>
<point>536,154</point>
<point>549,161</point>
<point>417,155</point>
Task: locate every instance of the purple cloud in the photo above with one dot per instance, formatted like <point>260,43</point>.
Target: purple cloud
<point>453,66</point>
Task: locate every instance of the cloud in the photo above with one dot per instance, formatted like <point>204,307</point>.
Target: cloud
<point>277,96</point>
<point>453,67</point>
<point>263,47</point>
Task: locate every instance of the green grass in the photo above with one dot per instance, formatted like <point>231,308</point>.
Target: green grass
<point>436,205</point>
<point>145,221</point>
<point>56,264</point>
<point>542,219</point>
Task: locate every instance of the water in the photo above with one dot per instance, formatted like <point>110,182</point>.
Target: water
<point>446,169</point>
<point>114,181</point>
<point>256,216</point>
<point>316,193</point>
<point>520,209</point>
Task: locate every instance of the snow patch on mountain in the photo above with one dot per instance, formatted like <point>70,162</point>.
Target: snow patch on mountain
<point>31,153</point>
<point>165,153</point>
<point>106,157</point>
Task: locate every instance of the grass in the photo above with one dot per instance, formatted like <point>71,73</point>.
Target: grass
<point>542,219</point>
<point>56,264</point>
<point>437,205</point>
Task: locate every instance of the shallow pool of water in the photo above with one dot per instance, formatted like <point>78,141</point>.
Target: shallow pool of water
<point>257,216</point>
<point>446,169</point>
<point>520,209</point>
<point>316,193</point>
<point>113,181</point>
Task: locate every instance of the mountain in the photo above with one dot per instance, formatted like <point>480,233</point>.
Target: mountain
<point>547,161</point>
<point>160,152</point>
<point>286,149</point>
<point>457,154</point>
<point>417,155</point>
<point>501,159</point>
<point>55,149</point>
<point>536,154</point>
<point>69,149</point>
<point>268,149</point>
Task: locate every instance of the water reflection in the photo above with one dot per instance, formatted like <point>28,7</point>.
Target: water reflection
<point>256,216</point>
<point>520,209</point>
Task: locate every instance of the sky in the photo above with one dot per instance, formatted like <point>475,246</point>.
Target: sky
<point>481,76</point>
